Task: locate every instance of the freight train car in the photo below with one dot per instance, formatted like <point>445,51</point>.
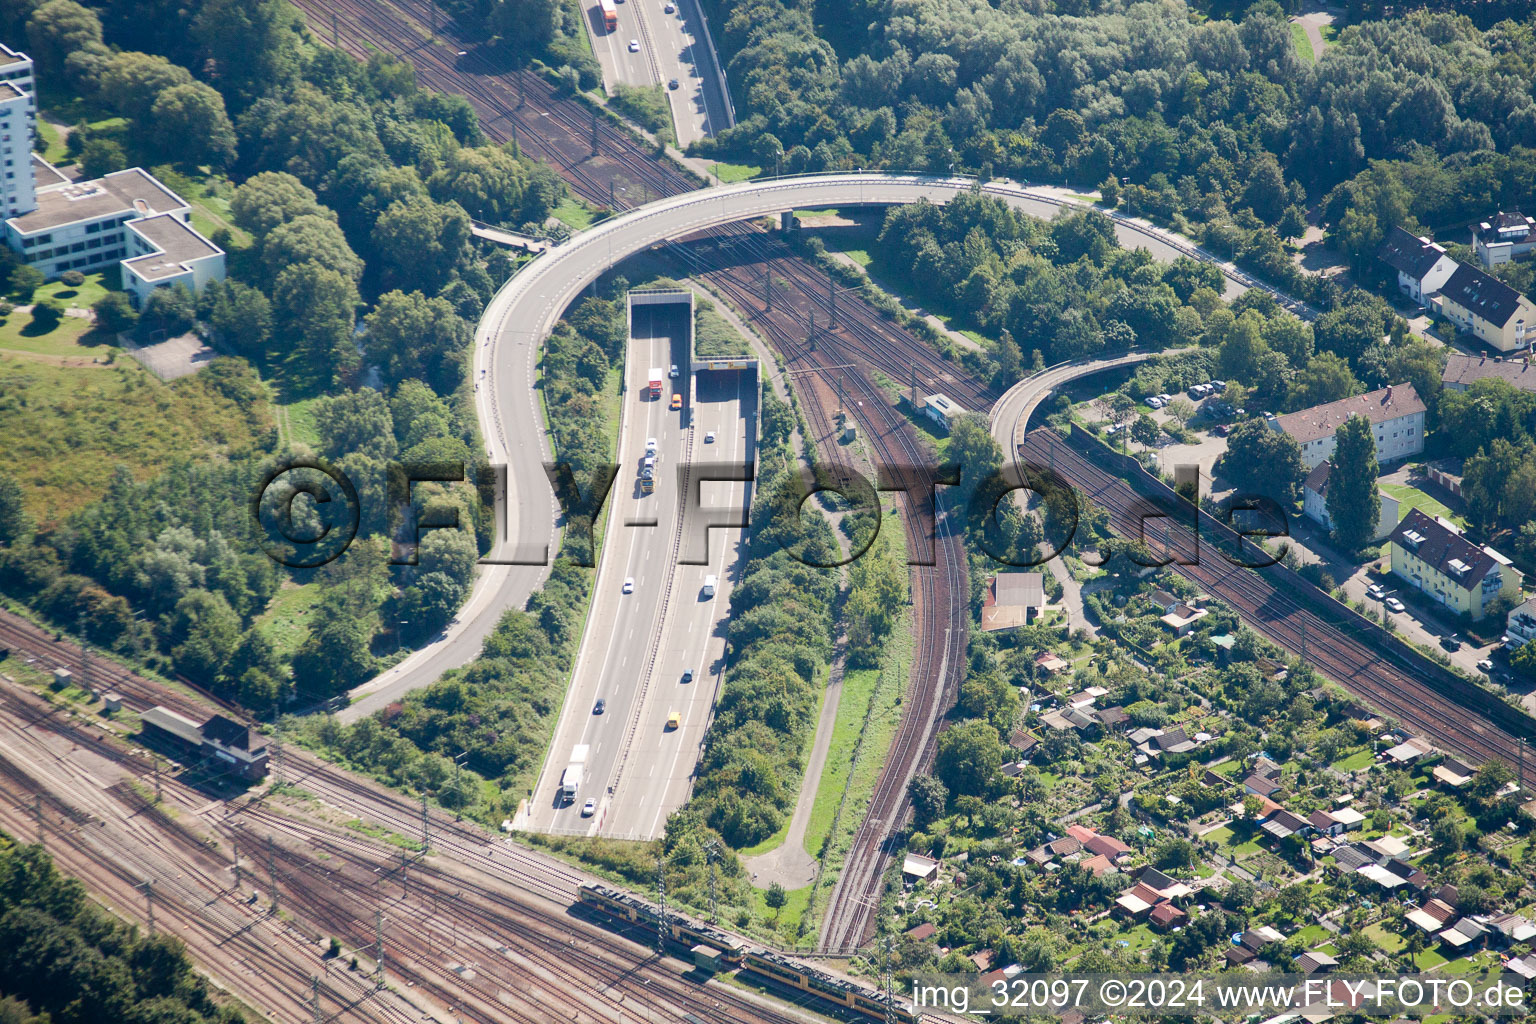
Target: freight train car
<point>685,931</point>
<point>790,973</point>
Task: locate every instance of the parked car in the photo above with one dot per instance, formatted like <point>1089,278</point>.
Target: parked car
<point>1222,430</point>
<point>1485,665</point>
<point>1451,642</point>
<point>1155,402</point>
<point>1395,605</point>
<point>1376,591</point>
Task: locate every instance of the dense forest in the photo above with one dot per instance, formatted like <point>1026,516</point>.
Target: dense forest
<point>353,284</point>
<point>65,961</point>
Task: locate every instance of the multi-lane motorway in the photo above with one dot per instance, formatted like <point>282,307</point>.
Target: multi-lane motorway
<point>673,46</point>
<point>639,644</point>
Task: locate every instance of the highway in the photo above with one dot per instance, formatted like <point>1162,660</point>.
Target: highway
<point>637,646</point>
<point>673,47</point>
<point>510,336</point>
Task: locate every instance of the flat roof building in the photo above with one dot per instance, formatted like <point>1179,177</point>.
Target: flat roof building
<point>942,409</point>
<point>127,217</point>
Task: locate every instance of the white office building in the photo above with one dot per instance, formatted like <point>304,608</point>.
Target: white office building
<point>127,217</point>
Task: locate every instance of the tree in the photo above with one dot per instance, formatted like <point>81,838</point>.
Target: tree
<point>273,198</point>
<point>15,524</point>
<point>173,309</point>
<point>1180,410</point>
<point>46,315</point>
<point>1353,503</point>
<point>1326,378</point>
<point>421,242</point>
<point>309,239</point>
<point>412,336</point>
<point>132,81</point>
<point>59,28</point>
<point>968,757</point>
<point>239,316</point>
<point>1294,900</point>
<point>313,310</point>
<point>100,157</point>
<point>190,123</point>
<point>776,898</point>
<point>1145,430</point>
<point>1260,460</point>
<point>928,797</point>
<point>25,280</point>
<point>249,44</point>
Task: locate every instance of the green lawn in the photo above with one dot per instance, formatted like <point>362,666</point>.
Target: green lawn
<point>1303,44</point>
<point>1387,940</point>
<point>286,620</point>
<point>1361,758</point>
<point>1313,934</point>
<point>18,333</point>
<point>729,173</point>
<point>859,256</point>
<point>53,139</point>
<point>1409,496</point>
<point>573,213</point>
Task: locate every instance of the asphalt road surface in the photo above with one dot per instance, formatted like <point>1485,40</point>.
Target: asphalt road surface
<point>672,48</point>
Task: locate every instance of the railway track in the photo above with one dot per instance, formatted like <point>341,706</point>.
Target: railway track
<point>1392,684</point>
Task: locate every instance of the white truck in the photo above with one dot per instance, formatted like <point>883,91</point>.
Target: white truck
<point>570,779</point>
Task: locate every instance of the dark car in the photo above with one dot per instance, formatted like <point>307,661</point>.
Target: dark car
<point>673,84</point>
<point>600,706</point>
<point>1451,643</point>
<point>687,675</point>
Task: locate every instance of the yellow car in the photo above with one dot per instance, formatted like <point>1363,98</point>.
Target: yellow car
<point>674,720</point>
<point>677,400</point>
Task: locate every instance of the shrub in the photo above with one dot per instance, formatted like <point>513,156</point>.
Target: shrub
<point>73,278</point>
<point>24,281</point>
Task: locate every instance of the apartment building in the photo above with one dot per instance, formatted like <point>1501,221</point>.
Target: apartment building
<point>127,217</point>
<point>1462,371</point>
<point>1505,237</point>
<point>1396,414</point>
<point>1431,555</point>
<point>1422,266</point>
<point>1486,308</point>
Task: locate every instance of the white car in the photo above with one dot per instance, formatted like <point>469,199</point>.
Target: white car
<point>669,7</point>
<point>709,437</point>
<point>673,372</point>
<point>589,808</point>
<point>1155,402</point>
<point>1396,605</point>
<point>634,46</point>
<point>650,446</point>
<point>629,584</point>
<point>1485,665</point>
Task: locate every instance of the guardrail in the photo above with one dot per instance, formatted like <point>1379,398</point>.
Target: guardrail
<point>714,58</point>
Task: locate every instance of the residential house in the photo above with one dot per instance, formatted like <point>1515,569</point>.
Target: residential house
<point>1049,663</point>
<point>1325,823</point>
<point>1314,502</point>
<point>1113,719</point>
<point>1433,556</point>
<point>1283,824</point>
<point>1422,266</point>
<point>1172,741</point>
<point>1256,939</point>
<point>1098,864</point>
<point>1453,773</point>
<point>1164,601</point>
<point>1082,833</point>
<point>1165,916</point>
<point>1520,624</point>
<point>1486,308</point>
<point>1012,599</point>
<point>1504,237</point>
<point>1108,847</point>
<point>1462,371</point>
<point>923,932</point>
<point>1508,929</point>
<point>1465,936</point>
<point>1024,742</point>
<point>1396,415</point>
<point>1434,916</point>
<point>1138,899</point>
<point>1408,751</point>
<point>1258,785</point>
<point>1183,618</point>
<point>1315,963</point>
<point>917,868</point>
